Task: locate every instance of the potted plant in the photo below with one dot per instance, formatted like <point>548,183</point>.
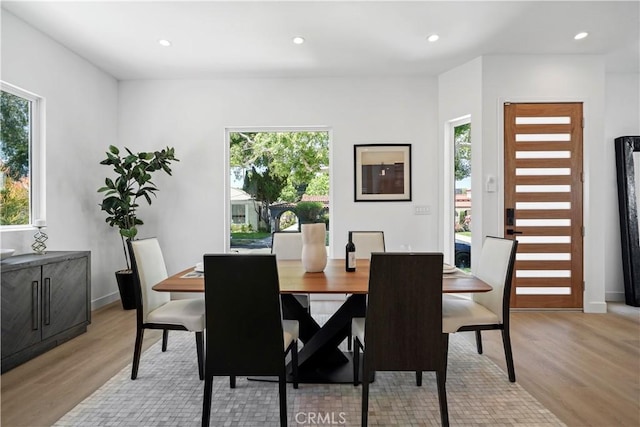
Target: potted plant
<point>309,212</point>
<point>313,229</point>
<point>133,173</point>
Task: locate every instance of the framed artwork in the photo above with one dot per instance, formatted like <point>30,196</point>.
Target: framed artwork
<point>382,172</point>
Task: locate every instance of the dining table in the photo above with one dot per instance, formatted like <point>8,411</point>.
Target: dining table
<point>320,360</point>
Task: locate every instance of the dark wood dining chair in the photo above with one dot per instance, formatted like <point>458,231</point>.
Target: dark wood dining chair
<point>245,334</point>
<point>402,330</point>
<point>155,310</point>
<point>490,310</point>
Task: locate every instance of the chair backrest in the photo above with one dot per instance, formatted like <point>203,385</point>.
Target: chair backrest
<point>149,268</point>
<point>243,315</point>
<point>496,268</point>
<point>286,244</point>
<point>367,242</point>
<point>403,326</point>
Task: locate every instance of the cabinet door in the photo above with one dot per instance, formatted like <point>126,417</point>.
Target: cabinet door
<point>20,313</point>
<point>64,295</point>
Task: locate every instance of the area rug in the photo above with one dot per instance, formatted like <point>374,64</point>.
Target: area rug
<point>168,393</point>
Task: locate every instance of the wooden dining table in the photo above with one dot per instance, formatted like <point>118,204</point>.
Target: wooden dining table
<point>320,360</point>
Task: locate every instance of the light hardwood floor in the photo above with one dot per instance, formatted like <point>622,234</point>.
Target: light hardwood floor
<point>585,368</point>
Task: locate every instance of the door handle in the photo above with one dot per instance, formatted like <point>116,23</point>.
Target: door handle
<point>34,305</point>
<point>511,232</point>
<point>47,303</point>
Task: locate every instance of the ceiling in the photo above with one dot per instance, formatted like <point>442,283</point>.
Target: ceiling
<point>220,39</point>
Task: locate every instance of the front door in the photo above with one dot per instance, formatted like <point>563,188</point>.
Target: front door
<point>543,203</point>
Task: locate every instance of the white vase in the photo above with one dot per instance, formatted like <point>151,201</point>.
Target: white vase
<point>314,252</point>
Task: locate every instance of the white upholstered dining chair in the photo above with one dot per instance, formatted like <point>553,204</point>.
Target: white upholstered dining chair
<point>287,245</point>
<point>155,310</point>
<point>367,242</point>
<point>490,310</point>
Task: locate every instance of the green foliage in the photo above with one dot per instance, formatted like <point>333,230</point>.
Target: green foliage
<point>309,212</point>
<point>275,163</point>
<point>289,194</point>
<point>14,202</point>
<point>462,151</point>
<point>14,159</point>
<point>249,235</point>
<point>297,155</point>
<point>319,185</point>
<point>241,228</point>
<point>133,181</point>
<point>14,136</point>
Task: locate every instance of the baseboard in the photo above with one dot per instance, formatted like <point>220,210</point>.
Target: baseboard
<point>595,307</point>
<point>614,296</point>
<point>102,301</point>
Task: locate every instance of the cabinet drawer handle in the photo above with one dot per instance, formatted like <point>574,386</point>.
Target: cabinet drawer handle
<point>34,305</point>
<point>47,303</point>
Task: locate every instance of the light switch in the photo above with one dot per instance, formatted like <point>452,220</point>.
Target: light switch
<point>422,210</point>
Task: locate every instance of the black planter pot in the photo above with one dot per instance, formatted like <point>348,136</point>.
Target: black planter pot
<point>125,286</point>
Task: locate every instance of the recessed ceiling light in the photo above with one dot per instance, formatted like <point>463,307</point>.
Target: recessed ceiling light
<point>298,40</point>
<point>163,42</point>
<point>581,35</point>
<point>433,37</point>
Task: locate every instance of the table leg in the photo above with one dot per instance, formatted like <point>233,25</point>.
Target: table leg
<point>320,351</point>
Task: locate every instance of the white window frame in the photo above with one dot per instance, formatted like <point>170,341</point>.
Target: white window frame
<point>37,164</point>
<point>227,170</point>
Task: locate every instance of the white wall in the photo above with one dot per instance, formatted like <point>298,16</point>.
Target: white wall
<point>81,121</point>
<point>622,118</point>
<point>189,214</point>
<point>552,78</point>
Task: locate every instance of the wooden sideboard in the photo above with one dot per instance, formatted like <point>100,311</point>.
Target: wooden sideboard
<point>46,300</point>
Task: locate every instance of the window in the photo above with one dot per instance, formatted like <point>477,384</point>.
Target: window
<point>462,193</point>
<point>238,215</point>
<point>20,154</point>
<point>270,171</point>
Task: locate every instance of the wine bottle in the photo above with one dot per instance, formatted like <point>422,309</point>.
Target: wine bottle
<point>350,259</point>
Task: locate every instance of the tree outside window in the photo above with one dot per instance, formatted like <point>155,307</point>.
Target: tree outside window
<point>279,166</point>
<point>15,147</point>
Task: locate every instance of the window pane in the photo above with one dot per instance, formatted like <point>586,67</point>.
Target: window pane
<point>543,188</point>
<point>543,291</point>
<point>543,239</point>
<point>15,145</point>
<point>543,273</point>
<point>543,256</point>
<point>543,120</point>
<point>543,154</point>
<point>558,222</point>
<point>543,205</point>
<point>542,171</point>
<point>550,137</point>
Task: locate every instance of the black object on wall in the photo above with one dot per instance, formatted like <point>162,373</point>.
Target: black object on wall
<point>628,207</point>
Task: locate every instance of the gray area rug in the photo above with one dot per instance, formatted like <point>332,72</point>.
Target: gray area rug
<point>169,393</point>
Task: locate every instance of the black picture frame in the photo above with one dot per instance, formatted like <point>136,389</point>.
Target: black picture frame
<point>382,172</point>
<point>625,146</point>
